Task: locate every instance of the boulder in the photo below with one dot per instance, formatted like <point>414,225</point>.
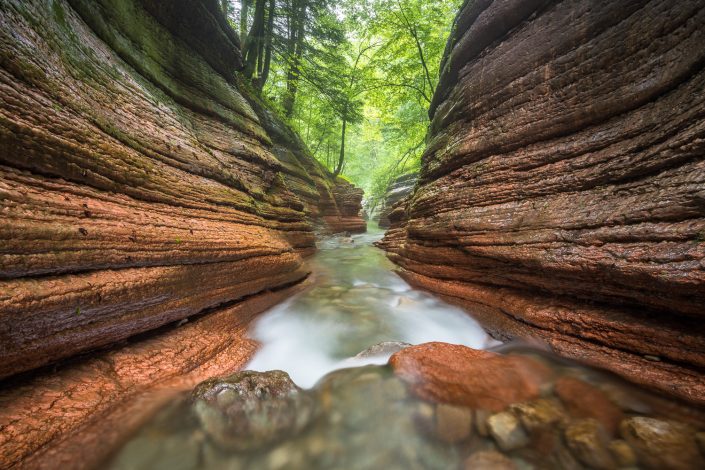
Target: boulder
<point>459,375</point>
<point>251,410</point>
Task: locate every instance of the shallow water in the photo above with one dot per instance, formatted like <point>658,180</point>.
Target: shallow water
<point>357,301</point>
<point>355,416</point>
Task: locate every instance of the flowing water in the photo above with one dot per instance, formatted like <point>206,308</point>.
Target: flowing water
<point>357,302</point>
<point>353,412</point>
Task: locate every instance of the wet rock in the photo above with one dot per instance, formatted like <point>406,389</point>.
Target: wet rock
<point>507,432</point>
<point>662,444</point>
<point>622,453</point>
<point>480,418</point>
<point>383,349</point>
<point>488,460</point>
<point>568,222</point>
<point>397,191</point>
<point>589,442</point>
<point>453,423</point>
<point>700,439</point>
<point>586,401</point>
<point>463,376</point>
<point>424,418</point>
<point>249,410</point>
<point>540,414</point>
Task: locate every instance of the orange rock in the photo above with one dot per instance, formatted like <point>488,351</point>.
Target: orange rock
<point>585,401</point>
<point>460,375</point>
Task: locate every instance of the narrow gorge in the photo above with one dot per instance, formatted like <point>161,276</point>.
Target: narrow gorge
<point>188,278</point>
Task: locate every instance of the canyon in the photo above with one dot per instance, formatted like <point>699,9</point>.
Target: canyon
<point>154,204</point>
<point>562,193</point>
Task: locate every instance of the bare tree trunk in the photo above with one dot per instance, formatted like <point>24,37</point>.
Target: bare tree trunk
<point>296,43</point>
<point>341,158</point>
<point>244,12</point>
<point>269,34</point>
<point>254,41</point>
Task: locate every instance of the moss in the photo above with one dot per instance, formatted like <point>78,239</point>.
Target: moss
<point>59,13</point>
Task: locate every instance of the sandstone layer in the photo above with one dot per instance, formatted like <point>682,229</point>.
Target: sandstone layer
<point>142,183</point>
<point>397,192</point>
<point>562,193</point>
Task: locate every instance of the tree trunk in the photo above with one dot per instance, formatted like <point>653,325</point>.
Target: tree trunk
<point>254,41</point>
<point>269,38</point>
<point>224,7</point>
<point>244,12</point>
<point>341,158</point>
<point>297,32</point>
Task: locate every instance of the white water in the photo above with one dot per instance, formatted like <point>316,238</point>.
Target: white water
<point>357,301</point>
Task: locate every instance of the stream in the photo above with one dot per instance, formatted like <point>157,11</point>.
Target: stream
<point>347,409</point>
<point>357,301</point>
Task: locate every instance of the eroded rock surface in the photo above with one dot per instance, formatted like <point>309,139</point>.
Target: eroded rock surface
<point>562,193</point>
<point>397,192</point>
<point>141,184</point>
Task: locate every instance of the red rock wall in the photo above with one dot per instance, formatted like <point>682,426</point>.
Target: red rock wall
<point>397,192</point>
<point>141,184</point>
<point>562,194</point>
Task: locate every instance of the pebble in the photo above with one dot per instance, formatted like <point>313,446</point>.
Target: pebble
<point>506,430</point>
<point>453,423</point>
<point>539,414</point>
<point>588,441</point>
<point>662,444</point>
<point>488,460</point>
<point>622,453</point>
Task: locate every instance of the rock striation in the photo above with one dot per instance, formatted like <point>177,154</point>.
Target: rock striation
<point>142,183</point>
<point>562,193</point>
<point>398,190</point>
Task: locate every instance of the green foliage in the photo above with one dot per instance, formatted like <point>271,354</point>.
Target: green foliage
<point>373,64</point>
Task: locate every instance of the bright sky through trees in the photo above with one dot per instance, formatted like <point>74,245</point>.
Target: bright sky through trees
<point>354,77</point>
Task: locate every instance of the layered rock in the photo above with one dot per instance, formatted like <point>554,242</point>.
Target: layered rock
<point>141,184</point>
<point>562,194</point>
<point>397,192</point>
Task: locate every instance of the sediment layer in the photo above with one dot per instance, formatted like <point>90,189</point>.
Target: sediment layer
<point>142,184</point>
<point>562,194</point>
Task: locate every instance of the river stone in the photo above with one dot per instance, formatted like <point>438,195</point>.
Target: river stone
<point>458,375</point>
<point>662,444</point>
<point>588,441</point>
<point>506,430</point>
<point>700,439</point>
<point>488,460</point>
<point>622,453</point>
<point>250,410</point>
<point>382,349</point>
<point>453,423</point>
<point>539,414</point>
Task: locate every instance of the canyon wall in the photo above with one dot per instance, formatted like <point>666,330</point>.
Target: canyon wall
<point>562,195</point>
<point>142,184</point>
<point>397,192</point>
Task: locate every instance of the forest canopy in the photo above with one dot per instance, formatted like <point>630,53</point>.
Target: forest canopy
<point>354,77</point>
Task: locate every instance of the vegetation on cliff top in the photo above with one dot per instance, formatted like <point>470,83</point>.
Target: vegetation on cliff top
<point>354,78</point>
